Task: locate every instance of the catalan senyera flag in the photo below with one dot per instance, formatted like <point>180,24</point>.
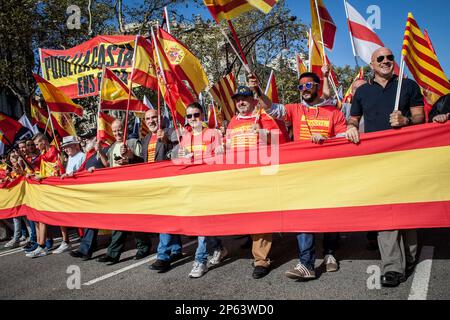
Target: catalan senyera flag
<point>301,68</point>
<point>348,95</point>
<point>264,197</point>
<point>114,95</point>
<point>57,100</point>
<point>104,129</point>
<point>230,9</point>
<point>183,62</point>
<point>63,124</point>
<point>322,20</point>
<point>222,92</point>
<point>175,93</point>
<point>423,62</point>
<point>271,88</point>
<point>144,72</point>
<point>9,128</point>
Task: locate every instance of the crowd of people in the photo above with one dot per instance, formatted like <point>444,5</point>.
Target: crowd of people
<point>315,119</point>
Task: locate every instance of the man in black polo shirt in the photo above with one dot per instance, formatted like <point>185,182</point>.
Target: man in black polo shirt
<point>376,101</point>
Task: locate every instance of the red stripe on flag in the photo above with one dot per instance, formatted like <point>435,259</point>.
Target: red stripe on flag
<point>363,33</point>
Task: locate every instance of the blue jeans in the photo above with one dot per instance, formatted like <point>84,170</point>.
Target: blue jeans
<point>33,236</point>
<point>204,244</point>
<point>89,242</point>
<point>17,228</point>
<point>169,244</point>
<point>307,247</point>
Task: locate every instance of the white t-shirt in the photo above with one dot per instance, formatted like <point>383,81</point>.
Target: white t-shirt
<point>74,163</point>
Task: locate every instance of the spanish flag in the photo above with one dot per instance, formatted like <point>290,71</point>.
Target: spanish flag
<point>114,95</point>
<point>63,124</point>
<point>39,116</point>
<point>322,21</point>
<point>144,72</point>
<point>422,61</point>
<point>291,190</point>
<point>173,90</point>
<point>56,100</point>
<point>271,89</point>
<point>104,130</point>
<point>230,9</point>
<point>183,62</point>
<point>9,128</point>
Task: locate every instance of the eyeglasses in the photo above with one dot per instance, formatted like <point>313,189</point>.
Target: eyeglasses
<point>390,57</point>
<point>307,86</point>
<point>195,115</point>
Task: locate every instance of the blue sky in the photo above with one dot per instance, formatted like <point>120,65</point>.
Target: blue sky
<point>433,15</point>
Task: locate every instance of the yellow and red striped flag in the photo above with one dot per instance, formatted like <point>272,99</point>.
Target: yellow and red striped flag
<point>56,100</point>
<point>63,124</point>
<point>230,9</point>
<point>39,116</point>
<point>214,117</point>
<point>114,95</point>
<point>301,68</point>
<point>104,129</point>
<point>144,72</point>
<point>183,62</point>
<point>271,89</point>
<point>322,21</point>
<point>175,93</point>
<point>423,62</point>
<point>348,95</point>
<point>222,92</point>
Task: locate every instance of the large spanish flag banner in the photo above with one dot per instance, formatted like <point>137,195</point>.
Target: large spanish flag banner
<point>422,61</point>
<point>396,179</point>
<point>76,71</point>
<point>230,9</point>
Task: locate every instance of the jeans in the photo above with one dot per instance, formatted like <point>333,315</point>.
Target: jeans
<point>17,228</point>
<point>169,244</point>
<point>89,242</point>
<point>205,244</point>
<point>33,235</point>
<point>307,248</point>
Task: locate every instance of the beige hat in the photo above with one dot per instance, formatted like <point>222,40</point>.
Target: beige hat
<point>69,140</point>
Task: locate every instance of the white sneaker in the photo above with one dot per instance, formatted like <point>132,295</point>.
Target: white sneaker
<point>300,271</point>
<point>218,256</point>
<point>63,248</point>
<point>198,270</point>
<point>39,252</point>
<point>13,243</point>
<point>331,263</point>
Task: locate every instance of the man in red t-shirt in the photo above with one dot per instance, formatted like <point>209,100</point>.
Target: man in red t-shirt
<point>316,120</point>
<point>251,128</point>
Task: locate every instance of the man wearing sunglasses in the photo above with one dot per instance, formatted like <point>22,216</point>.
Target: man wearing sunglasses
<point>375,101</point>
<point>316,120</point>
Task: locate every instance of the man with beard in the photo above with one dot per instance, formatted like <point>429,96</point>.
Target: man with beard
<point>376,101</point>
<point>315,120</point>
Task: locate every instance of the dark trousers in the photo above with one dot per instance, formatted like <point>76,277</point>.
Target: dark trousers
<point>89,242</point>
<point>118,238</point>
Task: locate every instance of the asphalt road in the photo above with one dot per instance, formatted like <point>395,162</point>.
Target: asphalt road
<point>46,277</point>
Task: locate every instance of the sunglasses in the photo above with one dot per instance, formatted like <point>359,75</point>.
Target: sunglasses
<point>307,86</point>
<point>390,57</point>
<point>195,115</point>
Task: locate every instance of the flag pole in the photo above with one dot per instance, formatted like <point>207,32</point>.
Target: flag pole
<point>130,88</point>
<point>167,19</point>
<point>163,76</point>
<point>310,44</point>
<point>400,82</point>
<point>238,43</point>
<point>244,62</point>
<point>350,33</point>
<point>53,129</point>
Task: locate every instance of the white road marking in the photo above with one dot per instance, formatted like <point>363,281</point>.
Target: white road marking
<point>132,266</point>
<point>419,287</point>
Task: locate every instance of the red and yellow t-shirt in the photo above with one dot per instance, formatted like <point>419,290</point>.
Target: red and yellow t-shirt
<point>202,144</point>
<point>240,133</point>
<point>151,150</point>
<point>326,120</point>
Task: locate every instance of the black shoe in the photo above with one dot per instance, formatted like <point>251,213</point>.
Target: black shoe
<point>76,254</point>
<point>106,258</point>
<point>176,257</point>
<point>260,272</point>
<point>160,265</point>
<point>141,255</point>
<point>410,267</point>
<point>86,257</point>
<point>392,279</point>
